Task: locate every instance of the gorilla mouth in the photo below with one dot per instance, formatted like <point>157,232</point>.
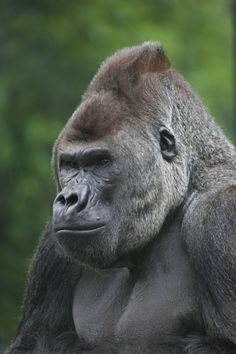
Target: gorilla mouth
<point>79,230</point>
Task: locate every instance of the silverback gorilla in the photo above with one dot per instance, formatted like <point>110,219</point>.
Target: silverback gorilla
<point>140,254</point>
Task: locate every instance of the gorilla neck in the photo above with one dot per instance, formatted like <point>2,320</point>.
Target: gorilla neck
<point>121,301</point>
<point>135,261</point>
<point>221,174</point>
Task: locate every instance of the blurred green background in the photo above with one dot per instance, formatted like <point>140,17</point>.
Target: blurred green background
<point>50,50</point>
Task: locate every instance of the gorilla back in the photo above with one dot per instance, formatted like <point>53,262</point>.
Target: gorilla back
<point>140,254</point>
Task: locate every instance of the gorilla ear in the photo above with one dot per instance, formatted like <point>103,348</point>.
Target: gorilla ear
<point>167,144</point>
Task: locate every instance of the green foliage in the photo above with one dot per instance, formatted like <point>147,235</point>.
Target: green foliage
<point>49,52</point>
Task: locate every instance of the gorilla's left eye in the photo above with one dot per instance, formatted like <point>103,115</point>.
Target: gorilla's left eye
<point>104,162</point>
<point>98,160</point>
<point>101,162</point>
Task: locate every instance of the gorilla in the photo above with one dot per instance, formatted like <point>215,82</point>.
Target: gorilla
<point>140,254</point>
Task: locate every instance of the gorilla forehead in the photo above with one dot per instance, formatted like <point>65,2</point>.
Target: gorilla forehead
<point>98,115</point>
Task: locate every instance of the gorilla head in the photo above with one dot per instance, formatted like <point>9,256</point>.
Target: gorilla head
<point>119,165</point>
<point>123,161</point>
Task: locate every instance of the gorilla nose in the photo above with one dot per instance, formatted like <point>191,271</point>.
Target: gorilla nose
<point>72,200</point>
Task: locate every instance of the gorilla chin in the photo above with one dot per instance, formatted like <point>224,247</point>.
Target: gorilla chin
<point>90,246</point>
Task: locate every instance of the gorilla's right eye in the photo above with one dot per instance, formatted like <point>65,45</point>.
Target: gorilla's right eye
<point>68,161</point>
<point>72,164</point>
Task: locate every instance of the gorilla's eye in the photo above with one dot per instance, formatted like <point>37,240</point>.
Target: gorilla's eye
<point>96,159</point>
<point>167,144</point>
<point>100,161</point>
<point>68,161</point>
<point>72,164</point>
<point>104,162</point>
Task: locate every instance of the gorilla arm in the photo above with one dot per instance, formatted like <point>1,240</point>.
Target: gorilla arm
<point>210,236</point>
<point>46,311</point>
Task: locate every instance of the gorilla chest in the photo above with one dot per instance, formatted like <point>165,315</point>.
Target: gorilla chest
<point>113,305</point>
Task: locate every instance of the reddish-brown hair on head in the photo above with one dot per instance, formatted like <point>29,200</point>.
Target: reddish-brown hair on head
<point>95,117</point>
<point>125,67</point>
<point>106,103</point>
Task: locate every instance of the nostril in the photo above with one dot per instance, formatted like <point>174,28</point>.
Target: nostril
<point>72,199</point>
<point>60,199</point>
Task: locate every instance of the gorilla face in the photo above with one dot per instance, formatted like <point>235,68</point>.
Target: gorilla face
<point>118,175</point>
<point>113,196</point>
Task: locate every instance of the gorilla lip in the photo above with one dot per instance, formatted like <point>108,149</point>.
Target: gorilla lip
<point>86,230</point>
